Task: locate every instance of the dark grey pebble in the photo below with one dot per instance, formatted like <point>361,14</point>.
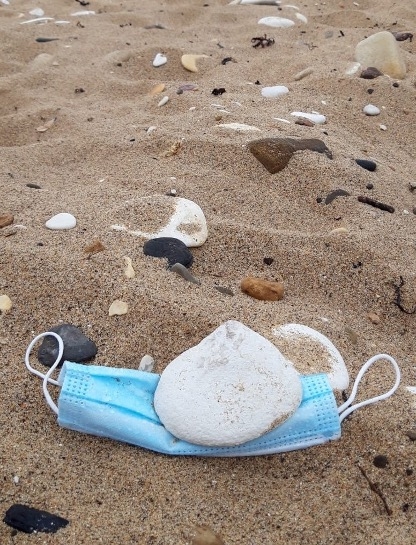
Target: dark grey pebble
<point>172,249</point>
<point>183,271</point>
<point>336,193</point>
<point>367,164</point>
<point>225,291</point>
<point>380,461</point>
<point>44,40</point>
<point>28,519</point>
<point>268,260</point>
<point>411,435</point>
<point>77,347</point>
<point>371,73</point>
<point>33,186</point>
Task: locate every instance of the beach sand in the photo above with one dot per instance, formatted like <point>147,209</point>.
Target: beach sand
<point>95,80</point>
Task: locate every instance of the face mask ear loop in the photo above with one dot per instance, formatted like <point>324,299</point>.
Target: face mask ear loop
<point>343,411</point>
<point>46,378</point>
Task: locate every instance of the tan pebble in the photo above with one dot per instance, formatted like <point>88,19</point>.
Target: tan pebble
<point>352,335</point>
<point>303,73</point>
<point>6,219</point>
<point>159,88</point>
<point>338,231</point>
<point>262,289</point>
<point>5,303</point>
<point>128,271</point>
<point>189,61</point>
<point>205,536</point>
<point>118,308</point>
<point>374,318</point>
<point>304,121</point>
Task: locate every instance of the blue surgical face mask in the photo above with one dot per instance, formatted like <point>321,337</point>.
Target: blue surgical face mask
<point>118,404</point>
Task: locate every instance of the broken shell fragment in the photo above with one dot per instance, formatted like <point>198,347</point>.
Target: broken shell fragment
<point>118,308</point>
<point>128,271</point>
<point>188,61</point>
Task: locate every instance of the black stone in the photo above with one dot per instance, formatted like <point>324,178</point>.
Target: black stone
<point>268,260</point>
<point>365,163</point>
<point>336,193</point>
<point>28,519</point>
<point>380,461</point>
<point>77,347</point>
<point>173,249</point>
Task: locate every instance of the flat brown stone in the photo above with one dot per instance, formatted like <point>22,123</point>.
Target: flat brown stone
<point>275,153</point>
<point>6,219</point>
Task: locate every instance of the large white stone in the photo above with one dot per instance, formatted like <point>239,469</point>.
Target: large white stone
<point>163,216</point>
<point>274,91</point>
<point>311,352</point>
<point>61,221</point>
<point>381,51</point>
<point>276,22</point>
<point>232,387</point>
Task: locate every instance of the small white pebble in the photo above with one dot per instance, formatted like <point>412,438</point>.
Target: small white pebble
<point>159,60</point>
<point>147,363</point>
<point>352,68</point>
<point>405,212</point>
<point>163,101</point>
<point>16,479</point>
<point>370,109</point>
<point>84,12</point>
<point>383,127</point>
<point>151,129</point>
<point>192,108</point>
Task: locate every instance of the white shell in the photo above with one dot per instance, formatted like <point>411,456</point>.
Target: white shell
<point>302,344</point>
<point>275,91</point>
<point>159,60</point>
<point>61,221</point>
<point>370,109</point>
<point>187,222</point>
<point>5,303</point>
<point>315,118</point>
<point>238,127</point>
<point>232,387</point>
<point>276,22</point>
<point>301,17</point>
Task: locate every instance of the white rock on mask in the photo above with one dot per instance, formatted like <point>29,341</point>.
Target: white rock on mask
<point>311,352</point>
<point>234,386</point>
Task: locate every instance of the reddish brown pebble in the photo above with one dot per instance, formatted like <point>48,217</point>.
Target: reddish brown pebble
<point>373,317</point>
<point>262,289</point>
<point>6,219</point>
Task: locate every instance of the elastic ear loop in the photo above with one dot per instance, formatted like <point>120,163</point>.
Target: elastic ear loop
<point>46,377</point>
<point>344,412</point>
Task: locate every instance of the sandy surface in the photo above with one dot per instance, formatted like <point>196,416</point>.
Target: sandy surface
<point>98,155</point>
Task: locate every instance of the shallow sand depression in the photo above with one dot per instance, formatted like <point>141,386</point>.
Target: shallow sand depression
<point>341,263</point>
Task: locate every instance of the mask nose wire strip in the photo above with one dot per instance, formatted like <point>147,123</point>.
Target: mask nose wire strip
<point>343,411</point>
<point>46,377</point>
